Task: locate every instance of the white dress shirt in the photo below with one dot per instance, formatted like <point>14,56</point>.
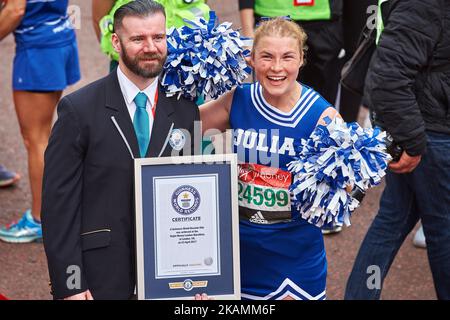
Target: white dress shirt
<point>129,92</point>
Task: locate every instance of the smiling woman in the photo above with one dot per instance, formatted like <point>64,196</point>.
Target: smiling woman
<point>277,58</point>
<point>282,255</point>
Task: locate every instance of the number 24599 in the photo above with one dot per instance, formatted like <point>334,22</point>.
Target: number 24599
<point>258,196</point>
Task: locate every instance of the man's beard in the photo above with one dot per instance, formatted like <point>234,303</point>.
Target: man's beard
<point>148,71</point>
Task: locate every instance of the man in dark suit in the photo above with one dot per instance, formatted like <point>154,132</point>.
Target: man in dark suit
<point>88,197</point>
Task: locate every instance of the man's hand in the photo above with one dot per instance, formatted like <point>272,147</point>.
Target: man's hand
<point>405,164</point>
<point>81,296</point>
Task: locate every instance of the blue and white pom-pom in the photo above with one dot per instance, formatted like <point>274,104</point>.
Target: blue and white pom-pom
<point>205,59</point>
<point>336,156</point>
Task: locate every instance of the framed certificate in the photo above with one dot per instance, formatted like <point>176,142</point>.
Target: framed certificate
<point>187,227</point>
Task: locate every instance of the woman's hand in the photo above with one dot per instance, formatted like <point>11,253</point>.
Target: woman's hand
<point>202,296</point>
<point>81,296</point>
<point>331,113</point>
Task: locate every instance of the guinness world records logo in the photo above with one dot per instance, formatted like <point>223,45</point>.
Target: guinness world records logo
<point>185,200</point>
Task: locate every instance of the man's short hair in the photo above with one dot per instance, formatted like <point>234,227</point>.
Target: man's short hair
<point>136,8</point>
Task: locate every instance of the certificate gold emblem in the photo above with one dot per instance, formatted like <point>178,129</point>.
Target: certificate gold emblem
<point>188,284</point>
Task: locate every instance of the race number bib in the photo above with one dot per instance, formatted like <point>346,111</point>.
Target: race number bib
<point>303,2</point>
<point>264,196</point>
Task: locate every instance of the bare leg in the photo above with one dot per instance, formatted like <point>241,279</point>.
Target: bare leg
<point>35,114</point>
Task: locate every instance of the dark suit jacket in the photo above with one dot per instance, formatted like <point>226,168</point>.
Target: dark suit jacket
<point>88,188</point>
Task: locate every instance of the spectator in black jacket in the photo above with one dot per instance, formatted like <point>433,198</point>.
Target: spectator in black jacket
<point>408,88</point>
<point>356,14</point>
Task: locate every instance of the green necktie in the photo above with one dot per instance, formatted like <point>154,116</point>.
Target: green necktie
<point>141,123</point>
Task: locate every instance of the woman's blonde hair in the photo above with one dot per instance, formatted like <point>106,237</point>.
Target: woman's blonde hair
<point>281,27</point>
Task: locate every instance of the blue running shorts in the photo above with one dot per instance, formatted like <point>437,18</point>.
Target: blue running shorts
<point>46,69</point>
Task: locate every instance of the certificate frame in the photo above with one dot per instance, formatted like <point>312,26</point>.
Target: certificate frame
<point>156,178</point>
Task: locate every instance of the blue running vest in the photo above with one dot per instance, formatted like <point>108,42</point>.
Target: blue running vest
<point>265,137</point>
<point>281,254</point>
<point>45,24</point>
